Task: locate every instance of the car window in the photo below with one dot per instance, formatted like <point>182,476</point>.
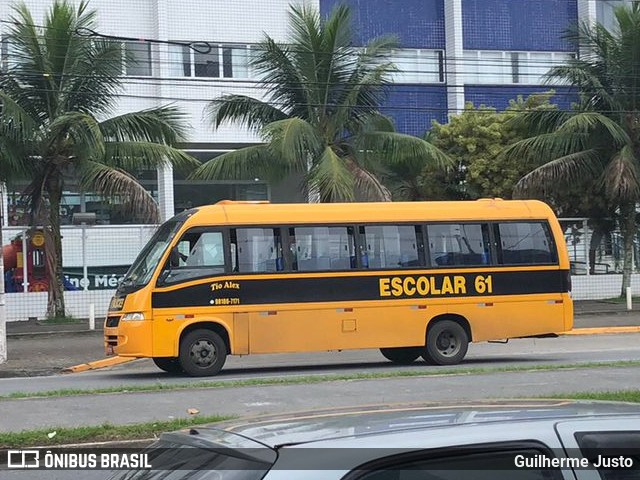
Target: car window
<point>486,465</point>
<point>608,449</point>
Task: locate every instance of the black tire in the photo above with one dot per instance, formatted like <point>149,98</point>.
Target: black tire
<point>401,355</point>
<point>202,353</point>
<point>447,343</point>
<point>168,364</point>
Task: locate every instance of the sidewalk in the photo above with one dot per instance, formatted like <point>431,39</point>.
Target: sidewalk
<point>37,348</point>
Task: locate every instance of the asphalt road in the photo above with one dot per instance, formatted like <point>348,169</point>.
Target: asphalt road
<point>562,350</point>
<point>135,407</point>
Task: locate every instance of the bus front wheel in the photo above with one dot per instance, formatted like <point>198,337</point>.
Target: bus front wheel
<point>401,355</point>
<point>202,353</point>
<point>168,364</point>
<point>447,343</point>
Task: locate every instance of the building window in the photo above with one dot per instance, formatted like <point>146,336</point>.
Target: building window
<point>498,68</point>
<point>210,60</point>
<point>418,66</point>
<point>138,59</point>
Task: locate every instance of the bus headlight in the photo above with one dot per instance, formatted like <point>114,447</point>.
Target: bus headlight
<point>135,317</point>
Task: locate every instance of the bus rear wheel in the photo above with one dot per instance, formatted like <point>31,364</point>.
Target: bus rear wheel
<point>447,343</point>
<point>168,364</point>
<point>202,353</point>
<point>401,355</point>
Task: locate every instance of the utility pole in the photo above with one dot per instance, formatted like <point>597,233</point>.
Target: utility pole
<point>3,311</point>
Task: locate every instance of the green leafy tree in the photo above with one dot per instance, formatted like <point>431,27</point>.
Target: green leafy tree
<point>600,140</point>
<point>320,114</point>
<point>475,140</point>
<point>56,94</point>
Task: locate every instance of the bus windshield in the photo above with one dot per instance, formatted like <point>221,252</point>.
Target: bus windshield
<point>142,269</point>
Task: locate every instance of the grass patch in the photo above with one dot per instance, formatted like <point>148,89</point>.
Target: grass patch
<point>100,433</point>
<point>632,396</point>
<point>311,379</point>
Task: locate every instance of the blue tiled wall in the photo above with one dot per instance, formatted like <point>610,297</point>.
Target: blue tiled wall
<point>412,107</point>
<point>517,24</point>
<point>416,23</point>
<point>499,96</point>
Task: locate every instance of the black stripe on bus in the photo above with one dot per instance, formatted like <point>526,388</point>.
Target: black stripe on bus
<point>292,289</point>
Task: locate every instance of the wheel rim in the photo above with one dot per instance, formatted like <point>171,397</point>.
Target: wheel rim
<point>202,353</point>
<point>447,344</point>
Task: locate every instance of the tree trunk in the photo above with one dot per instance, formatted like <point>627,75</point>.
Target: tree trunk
<point>53,250</point>
<point>628,227</point>
<point>594,243</point>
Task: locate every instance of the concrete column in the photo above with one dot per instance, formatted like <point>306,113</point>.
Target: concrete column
<point>587,11</point>
<point>454,55</point>
<point>165,192</point>
<point>4,201</point>
<point>165,173</point>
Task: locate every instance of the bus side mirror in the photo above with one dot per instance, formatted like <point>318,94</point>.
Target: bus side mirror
<point>174,257</point>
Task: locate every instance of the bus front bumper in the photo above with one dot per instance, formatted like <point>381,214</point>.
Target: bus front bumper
<point>129,339</point>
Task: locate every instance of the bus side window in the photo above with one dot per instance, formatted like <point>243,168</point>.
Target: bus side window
<point>322,248</point>
<point>391,246</point>
<point>457,244</point>
<point>526,243</point>
<point>258,249</point>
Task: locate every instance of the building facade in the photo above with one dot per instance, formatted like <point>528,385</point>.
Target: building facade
<point>450,52</point>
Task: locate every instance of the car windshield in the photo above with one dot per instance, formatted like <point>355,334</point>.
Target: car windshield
<point>177,456</point>
<point>145,264</point>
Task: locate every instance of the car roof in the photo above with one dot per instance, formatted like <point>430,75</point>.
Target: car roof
<point>307,427</point>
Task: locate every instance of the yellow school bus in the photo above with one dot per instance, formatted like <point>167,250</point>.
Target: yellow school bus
<point>419,279</point>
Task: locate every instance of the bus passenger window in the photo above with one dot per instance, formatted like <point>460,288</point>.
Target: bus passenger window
<point>322,248</point>
<point>390,246</point>
<point>256,250</point>
<point>527,243</point>
<point>459,244</point>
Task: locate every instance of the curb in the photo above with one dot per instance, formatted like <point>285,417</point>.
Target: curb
<point>50,333</point>
<point>105,362</point>
<point>602,331</point>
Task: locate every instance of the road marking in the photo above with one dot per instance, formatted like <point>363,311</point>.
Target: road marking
<point>602,330</point>
<point>103,363</point>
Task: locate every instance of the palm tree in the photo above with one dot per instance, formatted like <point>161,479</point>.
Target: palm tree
<point>56,94</point>
<point>599,142</point>
<point>320,115</point>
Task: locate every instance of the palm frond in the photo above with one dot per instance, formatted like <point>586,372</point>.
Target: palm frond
<point>84,132</point>
<point>593,122</point>
<point>15,120</point>
<point>163,125</point>
<point>246,163</point>
<point>115,183</point>
<point>621,178</point>
<point>395,148</point>
<point>549,146</point>
<point>294,140</point>
<point>562,171</point>
<point>331,178</point>
<point>132,156</point>
<point>243,110</point>
<point>368,185</point>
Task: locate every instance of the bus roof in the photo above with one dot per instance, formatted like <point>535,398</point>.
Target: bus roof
<point>246,213</point>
